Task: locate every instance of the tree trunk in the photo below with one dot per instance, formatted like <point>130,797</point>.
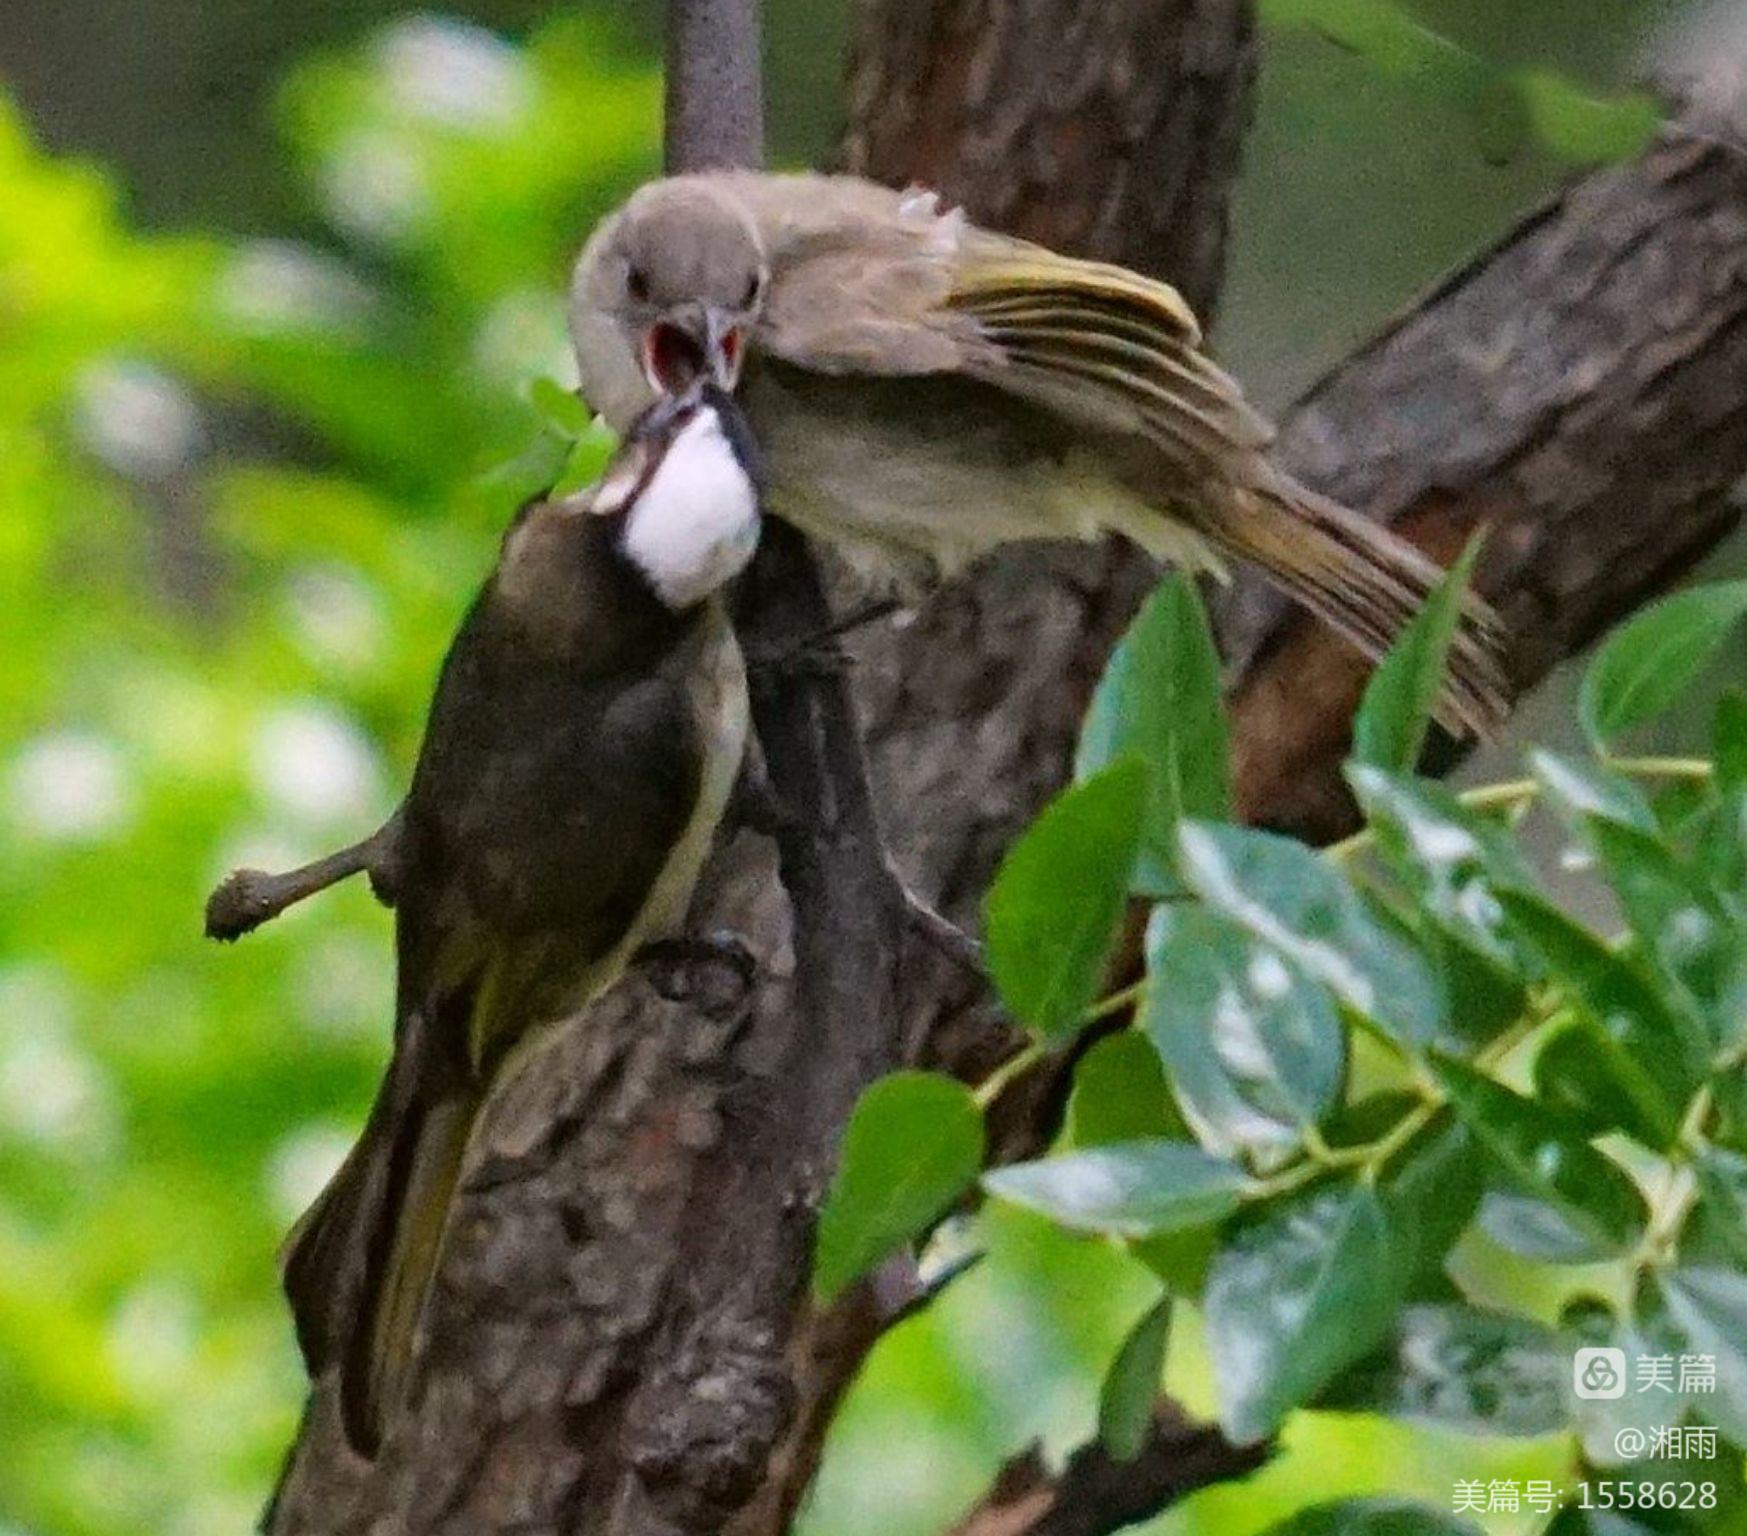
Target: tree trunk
<point>621,1340</point>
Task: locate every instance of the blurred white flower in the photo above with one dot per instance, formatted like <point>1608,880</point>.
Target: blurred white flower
<point>314,764</point>
<point>522,337</point>
<point>279,285</point>
<point>374,186</point>
<point>152,1336</point>
<point>301,1165</point>
<point>70,786</point>
<point>336,617</point>
<point>216,1514</point>
<point>455,74</point>
<point>51,1091</point>
<point>137,420</point>
<point>344,987</point>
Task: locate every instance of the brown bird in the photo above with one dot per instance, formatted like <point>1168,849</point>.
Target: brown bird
<point>587,730</point>
<point>926,389</point>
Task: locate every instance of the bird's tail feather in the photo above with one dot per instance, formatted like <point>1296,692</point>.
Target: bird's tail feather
<point>357,1267</point>
<point>1364,581</point>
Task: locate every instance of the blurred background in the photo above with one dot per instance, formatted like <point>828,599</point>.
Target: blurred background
<point>274,284</point>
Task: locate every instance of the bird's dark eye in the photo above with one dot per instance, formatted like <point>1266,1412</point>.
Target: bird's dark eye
<point>753,288</point>
<point>637,284</point>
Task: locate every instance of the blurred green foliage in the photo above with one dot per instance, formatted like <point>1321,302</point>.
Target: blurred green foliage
<point>248,487</point>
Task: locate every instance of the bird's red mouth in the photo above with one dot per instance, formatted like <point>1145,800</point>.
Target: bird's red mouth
<point>674,359</point>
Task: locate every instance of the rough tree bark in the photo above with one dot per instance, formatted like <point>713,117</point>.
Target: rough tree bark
<point>1581,389</point>
<point>621,1341</point>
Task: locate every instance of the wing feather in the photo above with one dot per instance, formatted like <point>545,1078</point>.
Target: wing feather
<point>1129,344</point>
<point>857,290</point>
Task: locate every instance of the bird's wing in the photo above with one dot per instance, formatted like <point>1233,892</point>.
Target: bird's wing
<point>1116,350</point>
<point>867,281</point>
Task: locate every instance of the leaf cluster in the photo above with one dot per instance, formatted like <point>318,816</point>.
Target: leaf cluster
<point>1350,1072</point>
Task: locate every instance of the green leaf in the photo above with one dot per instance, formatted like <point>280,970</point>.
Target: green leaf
<point>913,1146</point>
<point>1707,1309</point>
<point>560,408</point>
<point>1729,1089</point>
<point>1719,1225</point>
<point>1131,1386</point>
<point>1430,1192</point>
<point>1053,911</point>
<point>1180,1259</point>
<point>1718,840</point>
<point>1457,1366</point>
<point>1729,741</point>
<point>1291,899</point>
<point>1502,121</point>
<point>1159,701</point>
<point>582,466</point>
<point>1486,995</point>
<point>1295,1297</point>
<point>1133,1189</point>
<point>1575,1078</point>
<point>1597,1208</point>
<point>532,472</point>
<point>1451,859</point>
<point>1654,657</point>
<point>1577,126</point>
<point>1389,730</point>
<point>1696,946</point>
<point>1382,1515</point>
<point>1119,1094</point>
<point>1582,790</point>
<point>1255,1048</point>
<point>1650,1051</point>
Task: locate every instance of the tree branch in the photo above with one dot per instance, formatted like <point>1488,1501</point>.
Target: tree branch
<point>1094,1495</point>
<point>1581,390</point>
<point>714,113</point>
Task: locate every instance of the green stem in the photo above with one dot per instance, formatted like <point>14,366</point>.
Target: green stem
<point>1114,1003</point>
<point>1015,1066</point>
<point>1372,1157</point>
<point>1522,792</point>
<point>1662,767</point>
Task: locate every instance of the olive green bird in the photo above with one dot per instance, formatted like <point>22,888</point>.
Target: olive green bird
<point>587,730</point>
<point>925,390</point>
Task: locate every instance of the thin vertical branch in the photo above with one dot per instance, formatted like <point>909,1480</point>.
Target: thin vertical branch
<point>715,85</point>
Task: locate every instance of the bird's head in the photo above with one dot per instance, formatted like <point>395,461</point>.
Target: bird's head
<point>676,278</point>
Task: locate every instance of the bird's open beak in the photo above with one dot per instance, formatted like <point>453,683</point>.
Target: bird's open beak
<point>689,345</point>
<point>723,349</point>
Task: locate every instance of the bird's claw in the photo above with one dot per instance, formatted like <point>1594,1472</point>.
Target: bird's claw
<point>807,659</point>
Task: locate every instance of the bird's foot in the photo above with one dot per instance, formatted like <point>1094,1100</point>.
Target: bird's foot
<point>757,805</point>
<point>942,933</point>
<point>821,653</point>
<point>714,971</point>
<point>815,656</point>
